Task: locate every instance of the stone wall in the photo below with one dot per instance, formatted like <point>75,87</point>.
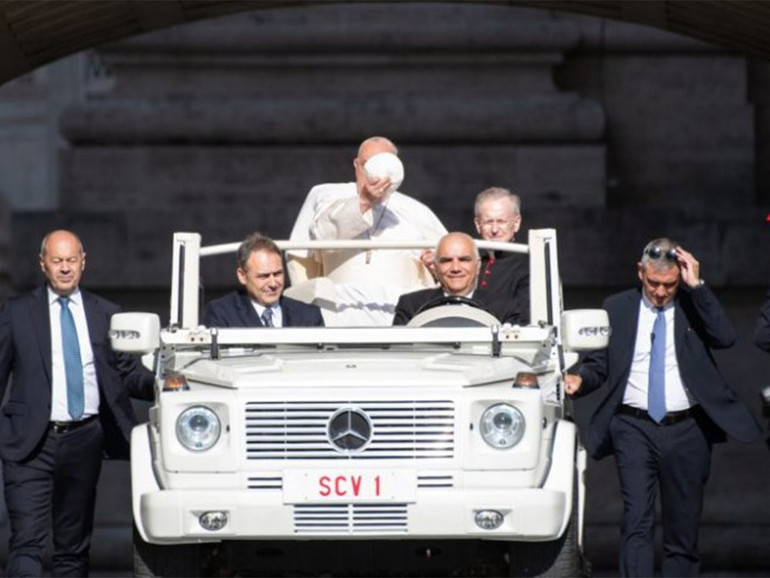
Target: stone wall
<point>223,126</point>
<point>612,133</point>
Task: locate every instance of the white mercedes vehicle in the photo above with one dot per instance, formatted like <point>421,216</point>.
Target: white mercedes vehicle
<point>441,448</point>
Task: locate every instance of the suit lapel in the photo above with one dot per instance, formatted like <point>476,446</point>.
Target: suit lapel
<point>285,313</point>
<point>95,320</point>
<point>246,311</point>
<point>418,300</point>
<point>681,325</point>
<point>486,300</point>
<point>41,323</point>
<point>627,327</point>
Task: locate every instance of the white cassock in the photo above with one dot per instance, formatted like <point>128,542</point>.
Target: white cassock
<point>366,284</point>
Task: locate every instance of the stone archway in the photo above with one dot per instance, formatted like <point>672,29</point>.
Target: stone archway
<point>35,33</point>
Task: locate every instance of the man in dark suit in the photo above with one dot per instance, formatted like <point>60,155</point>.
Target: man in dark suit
<point>762,332</point>
<point>666,404</point>
<point>457,266</point>
<point>261,303</point>
<point>68,403</point>
<point>497,217</point>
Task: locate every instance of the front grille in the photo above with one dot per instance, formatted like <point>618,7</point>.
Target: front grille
<point>435,481</point>
<point>350,518</point>
<point>422,429</point>
<point>265,483</point>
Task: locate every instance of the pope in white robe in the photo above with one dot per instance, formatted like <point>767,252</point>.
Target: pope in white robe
<point>359,287</point>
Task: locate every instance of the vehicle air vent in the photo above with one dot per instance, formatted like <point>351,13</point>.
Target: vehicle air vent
<point>350,518</point>
<point>265,483</point>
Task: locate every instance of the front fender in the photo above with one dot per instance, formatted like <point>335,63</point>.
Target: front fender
<point>142,475</point>
<point>565,465</point>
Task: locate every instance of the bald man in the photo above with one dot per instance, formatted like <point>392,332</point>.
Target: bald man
<point>366,284</point>
<point>457,266</point>
<point>68,404</point>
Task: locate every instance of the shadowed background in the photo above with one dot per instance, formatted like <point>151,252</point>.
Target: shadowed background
<point>612,133</point>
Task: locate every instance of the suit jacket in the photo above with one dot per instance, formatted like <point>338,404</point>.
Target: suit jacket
<point>25,352</point>
<point>700,325</point>
<point>409,303</point>
<point>507,278</point>
<point>762,332</point>
<point>235,310</point>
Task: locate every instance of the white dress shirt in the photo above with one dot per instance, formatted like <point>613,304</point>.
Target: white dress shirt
<point>276,309</point>
<point>678,398</point>
<point>58,375</point>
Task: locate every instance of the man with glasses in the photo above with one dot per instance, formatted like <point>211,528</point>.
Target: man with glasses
<point>666,403</point>
<point>456,266</point>
<point>498,218</point>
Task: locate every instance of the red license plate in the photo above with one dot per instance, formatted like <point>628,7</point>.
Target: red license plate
<point>348,486</point>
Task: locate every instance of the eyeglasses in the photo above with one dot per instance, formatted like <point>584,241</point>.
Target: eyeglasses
<point>655,252</point>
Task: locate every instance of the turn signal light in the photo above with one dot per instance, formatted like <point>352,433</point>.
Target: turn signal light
<point>175,382</point>
<point>527,380</point>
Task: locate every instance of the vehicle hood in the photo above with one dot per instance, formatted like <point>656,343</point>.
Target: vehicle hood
<point>346,368</point>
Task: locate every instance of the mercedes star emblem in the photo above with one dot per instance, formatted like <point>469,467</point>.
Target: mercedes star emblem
<point>349,430</point>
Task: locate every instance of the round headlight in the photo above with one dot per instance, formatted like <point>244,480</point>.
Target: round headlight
<point>197,428</point>
<point>502,426</point>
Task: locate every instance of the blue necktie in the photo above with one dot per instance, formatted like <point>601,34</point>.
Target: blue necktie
<point>73,366</point>
<point>656,390</point>
<point>267,317</point>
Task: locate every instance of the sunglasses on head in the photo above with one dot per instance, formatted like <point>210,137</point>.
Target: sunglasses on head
<point>655,252</point>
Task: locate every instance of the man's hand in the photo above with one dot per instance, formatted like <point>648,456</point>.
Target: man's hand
<point>374,192</point>
<point>689,268</point>
<point>572,383</point>
<point>427,258</point>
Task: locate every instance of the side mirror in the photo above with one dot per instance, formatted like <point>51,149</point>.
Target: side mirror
<point>585,329</point>
<point>135,332</point>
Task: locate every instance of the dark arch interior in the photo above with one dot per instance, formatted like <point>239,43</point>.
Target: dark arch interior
<point>35,33</point>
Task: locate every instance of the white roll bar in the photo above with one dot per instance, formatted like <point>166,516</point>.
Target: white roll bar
<point>545,291</point>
